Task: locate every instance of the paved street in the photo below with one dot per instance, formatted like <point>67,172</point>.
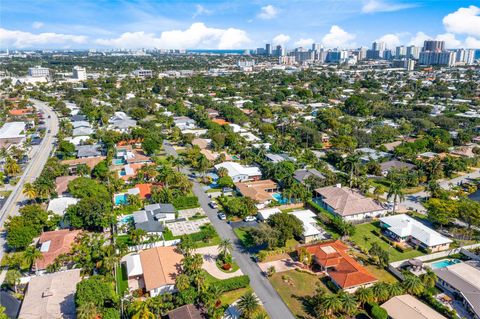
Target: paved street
<point>272,302</point>
<point>38,158</point>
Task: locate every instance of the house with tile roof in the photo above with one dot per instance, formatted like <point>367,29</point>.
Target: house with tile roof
<point>53,244</point>
<point>344,271</point>
<point>403,228</point>
<point>260,191</point>
<point>187,312</point>
<point>348,203</point>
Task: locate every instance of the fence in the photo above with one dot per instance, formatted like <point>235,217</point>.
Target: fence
<point>161,243</point>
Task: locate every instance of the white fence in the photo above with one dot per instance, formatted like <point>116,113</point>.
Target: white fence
<point>161,243</point>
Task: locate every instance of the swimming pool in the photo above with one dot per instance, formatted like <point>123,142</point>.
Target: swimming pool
<point>120,199</point>
<point>118,161</point>
<point>126,219</point>
<point>280,199</point>
<point>444,263</point>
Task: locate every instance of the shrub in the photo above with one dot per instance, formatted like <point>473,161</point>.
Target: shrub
<point>233,283</point>
<point>378,313</point>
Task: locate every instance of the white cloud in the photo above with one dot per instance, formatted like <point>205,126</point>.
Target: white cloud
<point>37,25</point>
<point>464,21</point>
<point>391,40</point>
<point>268,12</point>
<point>304,42</point>
<point>20,39</point>
<point>372,6</point>
<point>472,43</point>
<point>201,10</point>
<point>281,39</point>
<point>198,35</point>
<point>337,37</point>
<point>450,41</point>
<point>419,38</point>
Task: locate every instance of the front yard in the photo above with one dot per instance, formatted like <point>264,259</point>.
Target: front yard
<point>364,237</point>
<point>293,286</point>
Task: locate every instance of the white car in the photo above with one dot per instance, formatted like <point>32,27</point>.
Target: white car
<point>250,219</point>
<point>213,205</point>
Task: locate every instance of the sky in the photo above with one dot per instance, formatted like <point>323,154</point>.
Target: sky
<point>235,24</point>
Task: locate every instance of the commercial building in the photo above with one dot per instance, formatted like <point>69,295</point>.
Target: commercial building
<point>38,71</point>
<point>79,73</point>
<point>141,73</point>
<point>403,228</point>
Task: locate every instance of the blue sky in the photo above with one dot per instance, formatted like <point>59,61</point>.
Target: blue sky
<point>235,24</point>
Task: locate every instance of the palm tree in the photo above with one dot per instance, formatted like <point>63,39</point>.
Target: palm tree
<point>395,189</point>
<point>381,292</point>
<point>429,279</point>
<point>12,278</point>
<point>248,304</point>
<point>395,290</point>
<point>182,282</point>
<point>87,311</point>
<point>29,191</point>
<point>349,303</point>
<point>141,311</point>
<point>31,255</point>
<point>260,315</point>
<point>224,247</point>
<point>186,245</point>
<point>364,295</point>
<point>331,304</point>
<point>222,172</point>
<point>351,164</point>
<point>413,285</point>
<point>11,167</point>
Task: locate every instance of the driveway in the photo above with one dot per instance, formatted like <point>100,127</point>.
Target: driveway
<point>272,302</point>
<point>210,255</point>
<point>280,265</point>
<point>187,227</point>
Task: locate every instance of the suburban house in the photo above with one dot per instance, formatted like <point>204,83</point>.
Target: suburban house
<point>367,154</point>
<point>121,122</point>
<point>212,113</point>
<point>388,166</point>
<point>84,151</point>
<point>184,123</point>
<point>154,269</point>
<point>59,205</point>
<point>187,312</point>
<point>407,306</point>
<point>53,244</point>
<point>51,296</point>
<point>348,203</point>
<point>462,280</point>
<point>202,143</point>
<point>260,191</point>
<point>301,175</point>
<point>90,162</point>
<point>240,173</point>
<point>82,131</point>
<point>152,219</point>
<point>343,270</point>
<point>403,228</point>
<point>12,133</point>
<point>311,229</point>
<point>277,158</point>
<point>126,154</point>
<point>61,184</point>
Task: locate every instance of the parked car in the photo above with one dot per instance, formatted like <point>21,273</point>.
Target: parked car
<point>222,216</point>
<point>250,219</point>
<point>213,205</point>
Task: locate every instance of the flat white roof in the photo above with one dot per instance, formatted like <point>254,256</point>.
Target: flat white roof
<point>308,218</point>
<point>235,169</point>
<point>60,205</point>
<point>134,265</point>
<point>12,130</point>
<point>403,226</point>
<point>265,213</point>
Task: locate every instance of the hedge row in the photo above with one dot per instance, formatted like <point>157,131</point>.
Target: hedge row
<point>233,283</point>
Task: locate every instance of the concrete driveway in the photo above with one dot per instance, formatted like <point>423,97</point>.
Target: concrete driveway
<point>280,265</point>
<point>187,227</point>
<point>210,255</point>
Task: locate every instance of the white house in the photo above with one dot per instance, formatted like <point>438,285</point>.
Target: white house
<point>240,173</point>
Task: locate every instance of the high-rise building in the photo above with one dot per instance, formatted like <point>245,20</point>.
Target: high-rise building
<point>79,73</point>
<point>433,46</point>
<point>466,56</point>
<point>378,46</point>
<point>400,52</point>
<point>303,55</point>
<point>408,64</point>
<point>361,54</point>
<point>286,59</point>
<point>437,58</point>
<point>279,51</point>
<point>268,49</point>
<point>413,52</point>
<point>387,55</point>
<point>38,71</point>
<point>316,47</point>
<point>260,51</point>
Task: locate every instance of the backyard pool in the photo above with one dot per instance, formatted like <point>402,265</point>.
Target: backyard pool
<point>126,219</point>
<point>444,263</point>
<point>120,199</point>
<point>280,199</point>
<point>118,161</point>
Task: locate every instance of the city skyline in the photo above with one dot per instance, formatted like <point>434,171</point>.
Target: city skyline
<point>236,25</point>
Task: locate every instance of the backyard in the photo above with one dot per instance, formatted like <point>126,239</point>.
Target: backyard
<point>364,237</point>
<point>121,279</point>
<point>293,286</point>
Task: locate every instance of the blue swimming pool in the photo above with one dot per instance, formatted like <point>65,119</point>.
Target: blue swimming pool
<point>120,199</point>
<point>280,199</point>
<point>118,161</point>
<point>444,263</point>
<point>126,219</point>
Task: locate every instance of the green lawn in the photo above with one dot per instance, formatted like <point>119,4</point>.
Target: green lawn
<point>364,237</point>
<point>122,280</point>
<point>230,297</point>
<point>381,274</point>
<point>292,286</point>
<point>243,236</point>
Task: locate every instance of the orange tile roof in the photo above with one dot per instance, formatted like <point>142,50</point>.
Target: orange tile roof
<point>91,162</point>
<point>257,190</point>
<point>220,121</point>
<point>146,189</point>
<point>343,269</point>
<point>130,142</point>
<point>61,242</point>
<point>19,112</point>
<point>160,266</point>
<point>61,183</point>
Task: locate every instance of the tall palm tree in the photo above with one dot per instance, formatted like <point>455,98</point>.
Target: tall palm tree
<point>349,303</point>
<point>224,247</point>
<point>87,311</point>
<point>429,279</point>
<point>381,292</point>
<point>248,304</point>
<point>29,191</point>
<point>364,295</point>
<point>395,290</point>
<point>182,282</point>
<point>331,304</point>
<point>11,167</point>
<point>141,311</point>
<point>395,189</point>
<point>413,284</point>
<point>351,164</point>
<point>31,255</point>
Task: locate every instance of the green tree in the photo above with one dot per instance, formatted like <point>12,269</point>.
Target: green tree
<point>413,284</point>
<point>248,304</point>
<point>288,227</point>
